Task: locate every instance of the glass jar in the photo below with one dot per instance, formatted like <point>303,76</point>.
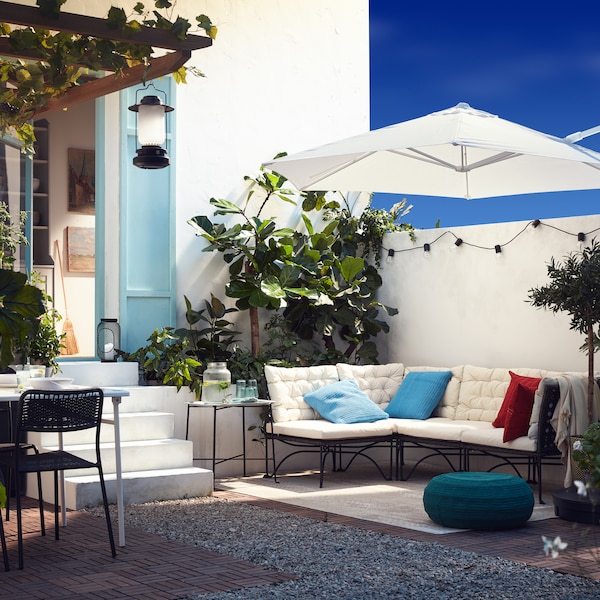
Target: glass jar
<point>216,383</point>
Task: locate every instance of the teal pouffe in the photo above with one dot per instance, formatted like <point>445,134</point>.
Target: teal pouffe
<point>465,500</point>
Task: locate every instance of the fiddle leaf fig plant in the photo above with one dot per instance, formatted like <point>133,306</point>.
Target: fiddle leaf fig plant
<point>321,280</point>
<point>20,303</point>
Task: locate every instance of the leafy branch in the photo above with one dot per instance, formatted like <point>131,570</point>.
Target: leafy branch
<point>63,60</point>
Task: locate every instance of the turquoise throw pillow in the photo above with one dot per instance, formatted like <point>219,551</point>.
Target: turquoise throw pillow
<point>418,394</point>
<point>344,402</point>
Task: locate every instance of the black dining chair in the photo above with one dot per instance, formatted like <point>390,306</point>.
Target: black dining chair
<point>8,412</point>
<point>2,538</point>
<point>57,411</point>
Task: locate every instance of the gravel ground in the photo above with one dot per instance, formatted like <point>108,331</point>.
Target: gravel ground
<point>344,563</point>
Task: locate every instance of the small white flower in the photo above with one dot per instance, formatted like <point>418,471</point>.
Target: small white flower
<point>577,445</point>
<point>581,489</point>
<point>553,547</point>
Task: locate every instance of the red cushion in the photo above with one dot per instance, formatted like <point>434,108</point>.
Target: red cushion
<point>516,423</point>
<point>531,383</point>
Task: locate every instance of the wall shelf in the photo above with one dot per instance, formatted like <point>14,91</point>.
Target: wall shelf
<point>41,199</point>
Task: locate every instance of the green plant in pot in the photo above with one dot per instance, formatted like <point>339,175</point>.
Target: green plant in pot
<point>574,288</point>
<point>586,455</point>
<point>21,303</point>
<point>43,343</point>
<point>166,360</point>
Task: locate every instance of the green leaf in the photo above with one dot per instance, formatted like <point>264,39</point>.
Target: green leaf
<point>351,267</point>
<point>271,287</point>
<point>201,224</point>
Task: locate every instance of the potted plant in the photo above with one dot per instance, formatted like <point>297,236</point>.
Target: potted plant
<point>22,303</point>
<point>41,343</point>
<point>166,360</point>
<point>586,455</point>
<point>575,288</point>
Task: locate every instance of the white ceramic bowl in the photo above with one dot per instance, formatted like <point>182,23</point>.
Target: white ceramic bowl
<point>8,380</point>
<point>50,383</point>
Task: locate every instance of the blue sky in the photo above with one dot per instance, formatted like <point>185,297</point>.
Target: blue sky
<point>537,66</point>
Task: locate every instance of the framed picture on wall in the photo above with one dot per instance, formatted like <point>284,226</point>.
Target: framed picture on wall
<point>81,249</point>
<point>82,181</point>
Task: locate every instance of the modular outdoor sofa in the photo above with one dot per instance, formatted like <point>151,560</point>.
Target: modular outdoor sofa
<point>458,428</point>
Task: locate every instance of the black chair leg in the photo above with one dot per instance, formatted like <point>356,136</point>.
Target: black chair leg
<point>4,549</point>
<point>111,537</point>
<point>19,523</point>
<point>41,503</point>
<point>56,520</point>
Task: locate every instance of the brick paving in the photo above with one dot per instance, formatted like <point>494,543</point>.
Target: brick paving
<point>79,565</point>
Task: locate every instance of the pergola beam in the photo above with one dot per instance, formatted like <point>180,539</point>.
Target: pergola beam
<point>118,81</point>
<point>30,16</point>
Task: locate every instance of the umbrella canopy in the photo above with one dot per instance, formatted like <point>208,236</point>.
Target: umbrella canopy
<point>460,152</point>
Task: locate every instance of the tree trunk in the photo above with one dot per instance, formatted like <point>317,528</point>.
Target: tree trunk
<point>590,389</point>
<point>254,330</point>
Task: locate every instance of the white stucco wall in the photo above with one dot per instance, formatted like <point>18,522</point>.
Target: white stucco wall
<point>466,305</point>
<point>281,76</point>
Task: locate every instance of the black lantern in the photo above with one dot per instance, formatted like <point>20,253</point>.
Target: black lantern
<point>151,131</point>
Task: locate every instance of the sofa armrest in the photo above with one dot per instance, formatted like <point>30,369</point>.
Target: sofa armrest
<point>546,434</point>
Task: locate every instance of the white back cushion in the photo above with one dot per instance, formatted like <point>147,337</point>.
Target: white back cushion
<point>287,387</point>
<point>379,382</point>
<point>483,389</point>
<point>447,405</point>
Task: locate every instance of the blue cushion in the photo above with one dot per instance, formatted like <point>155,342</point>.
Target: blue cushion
<point>418,394</point>
<point>344,402</point>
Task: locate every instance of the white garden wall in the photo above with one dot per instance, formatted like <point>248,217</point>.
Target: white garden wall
<point>468,304</point>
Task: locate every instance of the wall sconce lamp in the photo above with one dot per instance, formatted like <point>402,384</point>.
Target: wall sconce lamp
<point>151,131</point>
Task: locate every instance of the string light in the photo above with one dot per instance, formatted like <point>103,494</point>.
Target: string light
<point>531,226</point>
<point>390,256</point>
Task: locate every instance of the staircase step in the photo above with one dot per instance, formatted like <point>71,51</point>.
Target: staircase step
<point>134,427</point>
<point>140,486</point>
<point>139,455</point>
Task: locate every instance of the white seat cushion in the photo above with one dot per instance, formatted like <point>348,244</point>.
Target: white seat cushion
<point>319,429</point>
<point>436,428</point>
<point>485,434</point>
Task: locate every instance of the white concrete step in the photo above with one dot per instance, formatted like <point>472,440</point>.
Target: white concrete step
<point>134,426</point>
<point>139,455</point>
<point>138,486</point>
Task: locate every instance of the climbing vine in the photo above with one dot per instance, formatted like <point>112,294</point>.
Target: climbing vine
<point>63,59</point>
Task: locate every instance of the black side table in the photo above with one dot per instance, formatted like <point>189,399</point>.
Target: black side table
<point>216,408</point>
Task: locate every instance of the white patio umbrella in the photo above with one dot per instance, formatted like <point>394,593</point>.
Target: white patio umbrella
<point>458,152</point>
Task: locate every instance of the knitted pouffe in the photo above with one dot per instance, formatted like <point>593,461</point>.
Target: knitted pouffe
<point>473,500</point>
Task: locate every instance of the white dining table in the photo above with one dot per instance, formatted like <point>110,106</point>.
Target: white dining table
<point>115,394</point>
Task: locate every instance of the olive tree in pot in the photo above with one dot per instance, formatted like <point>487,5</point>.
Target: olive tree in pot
<point>574,288</point>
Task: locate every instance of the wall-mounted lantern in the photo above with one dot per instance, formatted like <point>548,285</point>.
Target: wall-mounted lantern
<point>151,131</point>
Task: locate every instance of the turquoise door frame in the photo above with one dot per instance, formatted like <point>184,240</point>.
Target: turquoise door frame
<point>147,270</point>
